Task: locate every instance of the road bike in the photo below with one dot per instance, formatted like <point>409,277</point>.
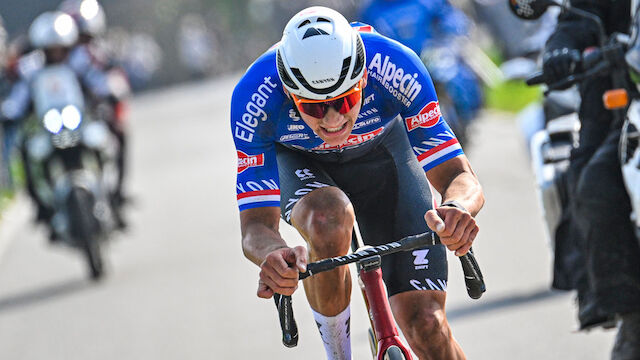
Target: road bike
<point>384,337</point>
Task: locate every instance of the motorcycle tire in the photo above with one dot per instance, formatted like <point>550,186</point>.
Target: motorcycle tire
<point>85,229</point>
<point>394,353</point>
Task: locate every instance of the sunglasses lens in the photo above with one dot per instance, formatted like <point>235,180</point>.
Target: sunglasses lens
<point>317,110</point>
<point>350,101</point>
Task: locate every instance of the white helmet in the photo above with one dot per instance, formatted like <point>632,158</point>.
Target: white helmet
<point>88,14</point>
<point>53,28</point>
<point>320,55</point>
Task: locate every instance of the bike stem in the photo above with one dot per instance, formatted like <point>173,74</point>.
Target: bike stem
<point>379,308</point>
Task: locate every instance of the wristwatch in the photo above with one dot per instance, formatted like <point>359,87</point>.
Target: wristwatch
<point>455,204</point>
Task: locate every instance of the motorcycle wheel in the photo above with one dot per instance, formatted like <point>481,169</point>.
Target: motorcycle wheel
<point>394,353</point>
<point>85,229</point>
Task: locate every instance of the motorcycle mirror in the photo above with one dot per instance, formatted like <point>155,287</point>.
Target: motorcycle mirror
<point>615,99</point>
<point>530,9</point>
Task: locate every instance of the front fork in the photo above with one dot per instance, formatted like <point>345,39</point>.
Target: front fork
<point>380,315</point>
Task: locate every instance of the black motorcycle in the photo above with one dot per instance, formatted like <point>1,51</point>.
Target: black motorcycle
<point>616,56</point>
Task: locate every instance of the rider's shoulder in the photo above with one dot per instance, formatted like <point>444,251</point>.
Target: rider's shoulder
<point>261,72</point>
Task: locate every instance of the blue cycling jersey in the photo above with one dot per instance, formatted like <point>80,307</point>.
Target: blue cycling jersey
<point>398,85</point>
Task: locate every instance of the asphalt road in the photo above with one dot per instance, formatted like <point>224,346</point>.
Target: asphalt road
<point>179,287</point>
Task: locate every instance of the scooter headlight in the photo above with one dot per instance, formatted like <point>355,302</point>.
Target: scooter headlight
<point>71,117</point>
<point>52,121</point>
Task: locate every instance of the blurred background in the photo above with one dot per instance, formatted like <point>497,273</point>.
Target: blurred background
<point>176,284</point>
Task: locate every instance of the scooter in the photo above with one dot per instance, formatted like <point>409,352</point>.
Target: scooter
<point>70,155</point>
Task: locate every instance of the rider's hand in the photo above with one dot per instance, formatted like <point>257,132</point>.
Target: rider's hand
<point>456,227</point>
<point>279,271</point>
<point>560,63</point>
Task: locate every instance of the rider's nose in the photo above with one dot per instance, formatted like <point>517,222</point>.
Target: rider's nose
<point>332,117</point>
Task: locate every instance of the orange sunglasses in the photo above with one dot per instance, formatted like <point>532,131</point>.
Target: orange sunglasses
<point>343,103</point>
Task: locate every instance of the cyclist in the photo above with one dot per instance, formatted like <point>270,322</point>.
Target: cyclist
<point>337,123</point>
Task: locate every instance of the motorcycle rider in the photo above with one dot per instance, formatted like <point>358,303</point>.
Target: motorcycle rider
<point>52,35</point>
<point>89,58</point>
<point>596,251</point>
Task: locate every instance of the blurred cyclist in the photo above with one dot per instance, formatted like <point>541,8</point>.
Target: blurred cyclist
<point>432,29</point>
<point>336,123</point>
<point>89,59</point>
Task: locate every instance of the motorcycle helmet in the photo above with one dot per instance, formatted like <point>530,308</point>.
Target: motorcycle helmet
<point>88,14</point>
<point>53,29</point>
<point>320,55</point>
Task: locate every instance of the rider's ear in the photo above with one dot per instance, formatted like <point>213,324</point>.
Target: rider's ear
<point>286,92</point>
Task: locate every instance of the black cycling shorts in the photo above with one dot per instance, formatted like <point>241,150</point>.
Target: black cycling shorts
<point>390,194</point>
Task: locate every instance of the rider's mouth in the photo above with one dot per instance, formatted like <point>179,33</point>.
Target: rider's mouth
<point>335,131</point>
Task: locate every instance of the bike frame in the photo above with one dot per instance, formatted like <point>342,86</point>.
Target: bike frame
<point>369,261</point>
<point>377,303</point>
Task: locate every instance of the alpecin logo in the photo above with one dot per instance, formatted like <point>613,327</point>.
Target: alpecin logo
<point>246,161</point>
<point>401,84</point>
<point>426,118</point>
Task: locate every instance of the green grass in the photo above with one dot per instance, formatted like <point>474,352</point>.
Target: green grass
<point>512,96</point>
<point>17,175</point>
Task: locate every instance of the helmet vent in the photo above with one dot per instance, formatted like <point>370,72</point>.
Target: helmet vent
<point>283,73</point>
<point>313,32</point>
<point>305,83</point>
<point>320,19</point>
<point>359,58</point>
<point>304,23</point>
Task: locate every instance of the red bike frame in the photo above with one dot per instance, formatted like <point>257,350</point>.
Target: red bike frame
<point>372,286</point>
<point>380,314</point>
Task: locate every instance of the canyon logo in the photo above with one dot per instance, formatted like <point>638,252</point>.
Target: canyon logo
<point>246,161</point>
<point>426,118</point>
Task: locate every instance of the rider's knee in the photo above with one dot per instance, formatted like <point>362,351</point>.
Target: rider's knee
<point>325,217</point>
<point>428,330</point>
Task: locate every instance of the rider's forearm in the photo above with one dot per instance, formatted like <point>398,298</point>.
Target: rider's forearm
<point>260,232</point>
<point>466,190</point>
<point>259,241</point>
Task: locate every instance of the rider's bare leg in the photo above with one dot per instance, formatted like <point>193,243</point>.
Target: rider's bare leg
<point>325,218</point>
<point>421,316</point>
